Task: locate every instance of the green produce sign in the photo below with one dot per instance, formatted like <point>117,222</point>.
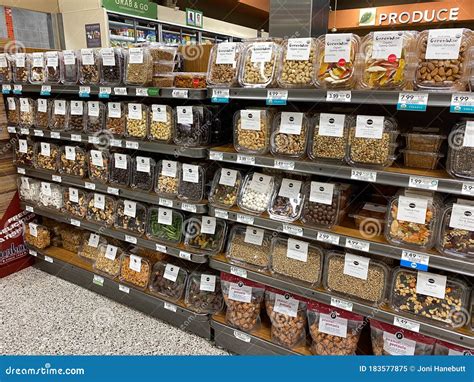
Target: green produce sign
<point>140,8</point>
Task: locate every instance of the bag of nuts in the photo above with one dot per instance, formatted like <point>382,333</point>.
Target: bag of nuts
<point>289,134</point>
<point>333,331</point>
<point>46,156</point>
<point>107,261</point>
<point>138,66</point>
<point>101,208</point>
<point>115,118</point>
<point>20,68</point>
<point>25,152</point>
<point>98,162</point>
<point>27,112</point>
<point>161,123</point>
<point>90,247</point>
<point>13,110</point>
<point>167,178</point>
<point>36,67</point>
<point>37,235</point>
<point>77,116</point>
<point>446,348</point>
<point>298,62</point>
<point>136,120</point>
<point>53,67</point>
<point>243,299</point>
<point>443,59</point>
<point>72,161</point>
<point>60,115</point>
<point>252,131</point>
<point>74,201</point>
<point>6,74</point>
<point>89,67</point>
<point>287,314</point>
<point>42,113</point>
<point>224,62</point>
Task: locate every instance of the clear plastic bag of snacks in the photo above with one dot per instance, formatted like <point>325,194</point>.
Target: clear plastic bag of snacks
<point>72,161</point>
<point>89,66</point>
<point>98,163</point>
<point>53,67</point>
<point>256,193</point>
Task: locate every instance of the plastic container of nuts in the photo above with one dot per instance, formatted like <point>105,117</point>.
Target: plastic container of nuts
<point>259,65</point>
<point>243,299</point>
<point>89,66</point>
<point>51,195</point>
<point>111,64</point>
<point>252,131</point>
<point>336,61</point>
<point>98,163</point>
<point>27,112</point>
<point>329,137</point>
<point>115,120</point>
<point>120,169</point>
<point>136,120</point>
<point>193,125</point>
<point>161,123</point>
<point>59,120</point>
<point>224,63</point>
<point>37,235</point>
<point>70,62</point>
<point>372,141</point>
<point>46,156</point>
<point>159,51</point>
<point>107,262</point>
<point>36,67</point>
<point>77,116</point>
<point>42,113</point>
<point>6,74</point>
<point>90,247</point>
<point>163,80</point>
<point>355,276</point>
<point>130,216</point>
<point>298,62</point>
<point>168,280</point>
<point>287,202</point>
<point>28,189</point>
<point>459,161</point>
<point>138,66</point>
<point>95,116</point>
<point>287,314</point>
<point>162,66</point>
<point>249,247</point>
<point>74,200</point>
<point>392,340</point>
<point>101,208</point>
<point>444,57</point>
<point>190,80</point>
<point>289,134</point>
<point>53,67</point>
<point>204,293</point>
<point>424,139</point>
<point>167,178</point>
<point>386,60</point>
<point>72,161</point>
<point>297,260</point>
<point>322,204</point>
<point>225,188</point>
<point>13,111</point>
<point>165,225</point>
<point>25,152</point>
<point>20,68</point>
<point>333,331</point>
<point>135,270</point>
<point>205,234</point>
<point>430,296</point>
<point>256,193</point>
<point>143,173</point>
<point>421,159</point>
<point>192,182</point>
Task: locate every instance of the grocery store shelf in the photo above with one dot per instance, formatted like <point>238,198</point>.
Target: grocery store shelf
<point>70,267</point>
<point>177,251</point>
<point>124,192</point>
<point>346,237</point>
<point>462,337</point>
<point>393,176</point>
<point>104,140</point>
<point>258,342</point>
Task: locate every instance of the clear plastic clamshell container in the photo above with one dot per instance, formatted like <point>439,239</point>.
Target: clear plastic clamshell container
<point>165,225</point>
<point>53,67</point>
<point>386,60</point>
<point>421,159</point>
<point>138,66</point>
<point>192,125</point>
<point>167,178</point>
<point>204,293</point>
<point>430,296</point>
<point>252,128</point>
<point>115,119</point>
<point>322,204</point>
<point>46,156</point>
<point>225,187</point>
<point>249,247</point>
<point>98,162</point>
<point>287,202</point>
<point>160,51</point>
<point>460,158</point>
<point>298,60</point>
<point>191,80</point>
<point>42,113</point>
<point>135,270</point>
<point>136,120</point>
<point>107,262</point>
<point>336,61</point>
<point>161,123</point>
<point>192,182</point>
<point>77,116</point>
<point>95,116</point>
<point>51,195</point>
<point>444,59</point>
<point>204,234</point>
<point>256,193</point>
<point>36,68</point>
<point>59,119</point>
<point>111,66</point>
<point>143,173</point>
<point>37,235</point>
<point>73,161</point>
<point>259,66</point>
<point>289,134</point>
<point>28,189</point>
<point>90,248</point>
<point>25,152</point>
<point>6,73</point>
<point>426,139</point>
<point>101,208</point>
<point>13,110</point>
<point>224,63</point>
<point>120,169</point>
<point>27,112</point>
<point>168,280</point>
<point>130,216</point>
<point>74,201</point>
<point>20,68</point>
<point>89,66</point>
<point>70,67</point>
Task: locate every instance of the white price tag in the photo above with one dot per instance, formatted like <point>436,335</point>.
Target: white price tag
<point>160,248</point>
<point>338,96</point>
<point>33,253</point>
<point>414,260</point>
<point>93,139</point>
<point>24,131</point>
<point>220,95</point>
<point>84,91</point>
<point>165,202</point>
<point>188,207</point>
<point>423,183</point>
<point>242,336</point>
<point>215,155</point>
<point>462,103</point>
<point>75,222</point>
<point>179,93</point>
<point>245,219</point>
<point>415,101</point>
<point>277,97</point>
<point>29,209</point>
<point>406,324</point>
<point>116,142</point>
<point>98,280</point>
<point>17,89</point>
<point>342,304</point>
<point>49,259</point>
<point>238,272</point>
<point>20,170</point>
<point>245,159</point>
<point>113,191</point>
<point>185,255</point>
<point>284,164</point>
<point>11,129</point>
<point>171,307</point>
<point>141,92</point>
<point>120,91</point>
<point>292,230</point>
<point>89,185</point>
<point>358,245</point>
<point>364,175</point>
<point>327,237</point>
<point>132,145</point>
<point>55,135</point>
<point>104,92</point>
<point>467,188</point>
<point>124,289</point>
<point>38,133</point>
<point>222,214</point>
<point>76,138</point>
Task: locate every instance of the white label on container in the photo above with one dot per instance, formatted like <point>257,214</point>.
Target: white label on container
<point>38,61</point>
<point>135,263</point>
<point>73,195</point>
<point>114,110</point>
<point>159,113</point>
<point>11,103</point>
<point>431,284</point>
<point>87,57</point>
<point>226,53</point>
<point>468,139</point>
<point>242,336</point>
<point>250,119</point>
<point>443,44</point>
<point>387,45</point>
<point>25,182</point>
<point>130,208</point>
<point>396,344</point>
<point>165,202</point>
<point>245,159</point>
<point>24,105</point>
<point>222,214</point>
<point>93,108</point>
<point>135,110</point>
<point>99,201</point>
<point>96,158</point>
<point>77,108</point>
<point>165,216</point>
<point>70,153</point>
<point>135,55</point>
<point>45,149</point>
<point>22,146</point>
<point>423,183</point>
<point>327,237</point>
<point>298,49</point>
<point>369,126</point>
<point>358,245</point>
<point>108,56</point>
<point>254,235</point>
<point>208,225</point>
<point>143,164</point>
<point>333,325</point>
<point>169,168</point>
<point>321,193</point>
<point>285,304</point>
<point>20,60</point>
<point>3,60</point>
<point>94,240</point>
<point>260,182</point>
<point>33,229</point>
<point>337,48</point>
<point>120,161</point>
<point>297,250</point>
<point>59,107</point>
<point>69,57</point>
<point>190,173</point>
<point>228,177</point>
<point>245,219</point>
<point>291,123</point>
<point>111,252</point>
<point>290,188</point>
<point>356,266</point>
<point>171,272</point>
<point>412,209</point>
<point>331,125</point>
<point>406,324</point>
<point>52,59</point>
<point>208,283</point>
<point>462,217</point>
<point>261,52</point>
<point>185,115</point>
<point>240,292</point>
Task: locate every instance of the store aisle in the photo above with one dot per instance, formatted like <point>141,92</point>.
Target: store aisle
<point>42,314</point>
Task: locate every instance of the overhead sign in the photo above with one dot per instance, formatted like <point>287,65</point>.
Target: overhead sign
<point>140,8</point>
<point>194,18</point>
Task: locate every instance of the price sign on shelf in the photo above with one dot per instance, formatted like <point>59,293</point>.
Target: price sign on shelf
<point>180,93</point>
<point>414,260</point>
<point>359,245</point>
<point>216,155</point>
<point>98,280</point>
<point>245,159</point>
<point>38,133</point>
<point>55,135</point>
<point>462,103</point>
<point>104,92</point>
<point>17,89</point>
<point>423,183</point>
<point>238,272</point>
<point>11,129</point>
<point>292,230</point>
<point>284,164</point>
<point>277,97</point>
<point>406,324</point>
<point>412,101</point>
<point>364,175</point>
<point>338,96</point>
<point>120,91</point>
<point>327,237</point>
<point>342,304</point>
<point>24,131</point>
<point>45,90</point>
<point>142,92</point>
<point>220,95</point>
<point>6,89</point>
<point>84,91</point>
<point>467,188</point>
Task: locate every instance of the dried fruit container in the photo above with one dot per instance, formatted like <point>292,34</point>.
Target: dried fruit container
<point>6,73</point>
<point>143,173</point>
<point>135,270</point>
<point>53,67</point>
<point>386,60</point>
<point>165,225</point>
<point>252,129</point>
<point>358,277</point>
<point>90,247</point>
<point>444,59</point>
<point>459,161</point>
<point>77,116</point>
<point>322,204</point>
<point>430,296</point>
<point>27,112</point>
<point>167,178</point>
<point>130,216</point>
<point>289,134</point>
<point>192,183</point>
<point>225,188</point>
<point>287,202</point>
<point>421,159</point>
<point>28,189</point>
<point>224,64</point>
<point>204,293</point>
<point>336,61</point>
<point>168,280</point>
<point>75,201</point>
<point>120,169</point>
<point>72,161</point>
<point>161,123</point>
<point>107,261</point>
<point>256,193</point>
<point>89,66</point>
<point>46,156</point>
<point>298,60</point>
<point>98,163</point>
<point>42,113</point>
<point>193,125</point>
<point>204,234</point>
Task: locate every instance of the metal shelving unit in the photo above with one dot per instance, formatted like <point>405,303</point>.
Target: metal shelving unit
<point>460,337</point>
<point>124,192</point>
<point>176,251</point>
